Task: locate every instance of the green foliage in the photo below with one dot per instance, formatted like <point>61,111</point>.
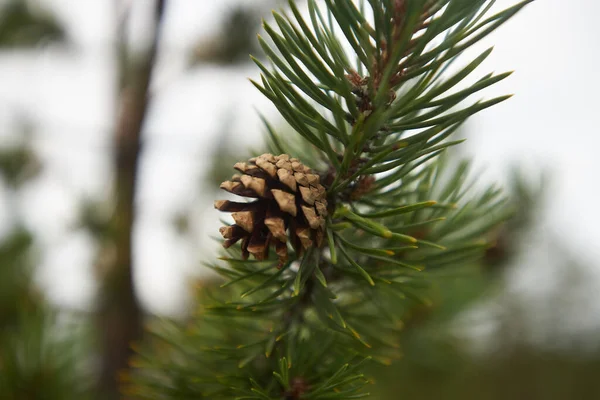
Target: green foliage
<point>37,363</point>
<point>14,260</point>
<point>233,42</point>
<point>367,93</point>
<point>24,26</point>
<point>37,359</point>
<point>18,164</point>
<point>240,351</point>
<point>391,104</point>
<point>522,372</point>
<point>40,354</point>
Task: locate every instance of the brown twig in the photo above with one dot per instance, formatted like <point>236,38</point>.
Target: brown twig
<point>119,314</point>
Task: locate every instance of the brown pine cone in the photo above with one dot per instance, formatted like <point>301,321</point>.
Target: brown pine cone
<point>290,203</point>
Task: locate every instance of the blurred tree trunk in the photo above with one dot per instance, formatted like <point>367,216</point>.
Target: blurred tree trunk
<point>120,316</point>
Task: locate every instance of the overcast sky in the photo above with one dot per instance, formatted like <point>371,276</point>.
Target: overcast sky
<point>550,123</point>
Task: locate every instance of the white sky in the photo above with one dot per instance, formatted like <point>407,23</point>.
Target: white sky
<point>550,123</point>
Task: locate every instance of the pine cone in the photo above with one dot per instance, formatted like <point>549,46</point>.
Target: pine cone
<point>290,203</point>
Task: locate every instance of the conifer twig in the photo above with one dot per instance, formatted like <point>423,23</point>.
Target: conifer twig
<point>372,124</point>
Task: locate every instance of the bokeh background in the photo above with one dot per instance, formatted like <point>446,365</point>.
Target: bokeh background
<point>535,331</point>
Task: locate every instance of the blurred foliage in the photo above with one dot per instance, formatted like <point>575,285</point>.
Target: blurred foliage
<point>18,164</point>
<point>23,24</point>
<point>438,361</point>
<point>94,217</point>
<point>40,359</point>
<point>15,269</point>
<point>41,356</point>
<point>526,198</point>
<point>521,373</point>
<point>225,153</point>
<point>235,39</point>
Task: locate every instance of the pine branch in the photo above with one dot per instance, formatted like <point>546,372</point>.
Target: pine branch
<point>361,235</point>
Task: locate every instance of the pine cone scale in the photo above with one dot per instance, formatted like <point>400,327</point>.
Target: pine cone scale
<point>244,219</point>
<point>277,228</point>
<point>287,179</point>
<point>231,206</point>
<point>286,201</point>
<point>267,166</point>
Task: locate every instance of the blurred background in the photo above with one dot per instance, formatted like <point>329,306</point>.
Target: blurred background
<point>98,97</point>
